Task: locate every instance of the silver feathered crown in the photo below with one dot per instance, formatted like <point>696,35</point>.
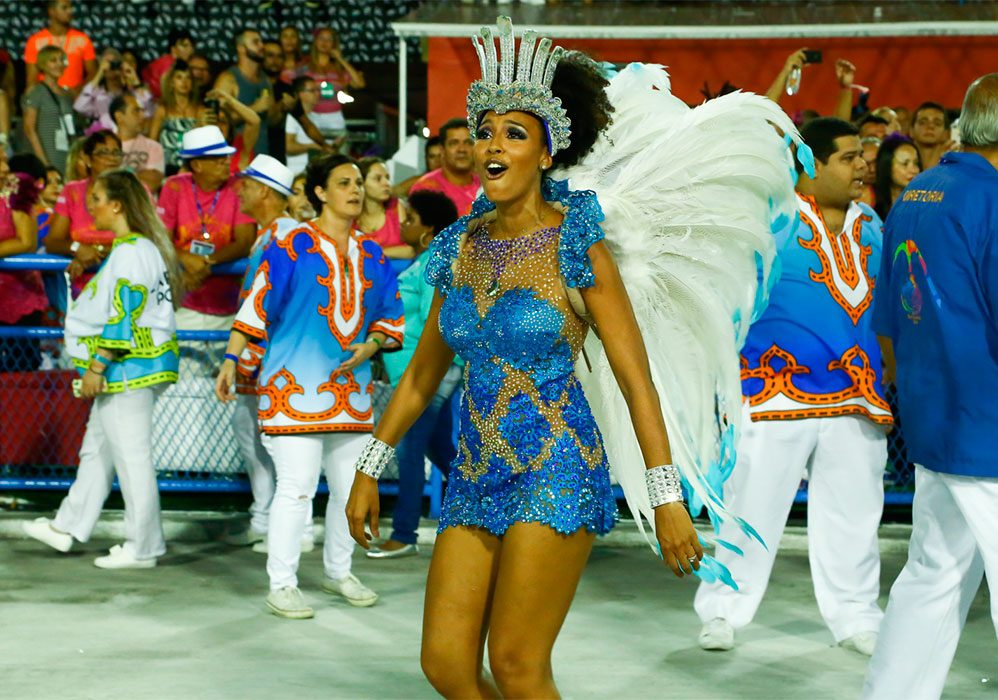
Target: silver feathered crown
<point>529,92</point>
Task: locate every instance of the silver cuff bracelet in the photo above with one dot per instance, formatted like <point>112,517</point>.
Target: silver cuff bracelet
<point>664,485</point>
<point>375,457</point>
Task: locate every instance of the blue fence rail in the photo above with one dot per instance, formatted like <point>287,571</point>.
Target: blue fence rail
<point>193,442</point>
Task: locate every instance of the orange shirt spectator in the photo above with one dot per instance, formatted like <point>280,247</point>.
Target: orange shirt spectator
<point>81,59</point>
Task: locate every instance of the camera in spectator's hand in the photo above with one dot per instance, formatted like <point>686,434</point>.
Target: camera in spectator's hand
<point>115,65</point>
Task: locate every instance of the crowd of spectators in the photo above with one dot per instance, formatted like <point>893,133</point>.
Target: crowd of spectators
<point>87,110</point>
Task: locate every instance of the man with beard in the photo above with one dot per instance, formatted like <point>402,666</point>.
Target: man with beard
<point>250,85</point>
<point>455,178</point>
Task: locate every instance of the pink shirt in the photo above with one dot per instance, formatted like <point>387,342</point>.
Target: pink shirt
<point>462,195</point>
<point>72,204</point>
<point>21,291</point>
<point>390,233</point>
<point>335,81</point>
<point>142,153</point>
<point>219,295</point>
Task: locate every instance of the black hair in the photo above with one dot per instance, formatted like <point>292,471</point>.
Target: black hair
<point>872,119</point>
<point>178,34</point>
<point>455,123</point>
<point>237,39</point>
<point>435,209</point>
<point>97,138</point>
<point>29,164</point>
<point>118,104</point>
<point>298,84</point>
<point>820,135</point>
<point>931,105</point>
<point>317,174</point>
<point>580,85</point>
<point>885,165</point>
<point>430,143</point>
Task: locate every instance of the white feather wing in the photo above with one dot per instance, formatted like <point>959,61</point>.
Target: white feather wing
<point>690,198</point>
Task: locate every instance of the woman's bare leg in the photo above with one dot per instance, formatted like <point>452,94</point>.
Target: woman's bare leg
<point>539,571</point>
<point>456,612</point>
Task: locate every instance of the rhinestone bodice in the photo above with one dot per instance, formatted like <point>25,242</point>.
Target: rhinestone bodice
<point>519,343</point>
<point>506,312</point>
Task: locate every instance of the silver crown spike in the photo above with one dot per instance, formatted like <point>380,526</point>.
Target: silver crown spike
<point>480,50</point>
<point>540,60</point>
<point>526,56</point>
<point>491,60</point>
<point>552,65</point>
<point>507,50</point>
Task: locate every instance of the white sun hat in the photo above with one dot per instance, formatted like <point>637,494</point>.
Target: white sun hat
<point>272,173</point>
<point>204,142</point>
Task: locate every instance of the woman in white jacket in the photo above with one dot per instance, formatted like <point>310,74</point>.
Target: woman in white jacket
<point>121,334</point>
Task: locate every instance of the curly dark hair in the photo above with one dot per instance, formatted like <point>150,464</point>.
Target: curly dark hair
<point>581,87</point>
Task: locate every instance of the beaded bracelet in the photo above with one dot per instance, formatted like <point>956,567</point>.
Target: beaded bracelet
<point>375,457</point>
<point>663,485</point>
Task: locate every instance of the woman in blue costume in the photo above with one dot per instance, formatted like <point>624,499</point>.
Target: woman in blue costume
<point>530,488</point>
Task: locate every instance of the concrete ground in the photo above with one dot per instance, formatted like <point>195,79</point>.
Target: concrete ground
<point>195,627</point>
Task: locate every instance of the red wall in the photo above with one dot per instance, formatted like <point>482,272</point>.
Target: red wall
<point>899,71</point>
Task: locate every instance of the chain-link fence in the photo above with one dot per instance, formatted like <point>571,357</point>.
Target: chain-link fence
<point>194,446</point>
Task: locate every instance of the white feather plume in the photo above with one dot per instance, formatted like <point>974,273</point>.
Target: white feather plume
<point>689,196</point>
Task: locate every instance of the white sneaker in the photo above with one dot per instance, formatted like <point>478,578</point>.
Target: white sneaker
<point>863,643</point>
<point>717,635</point>
<point>307,546</point>
<point>41,530</point>
<point>290,603</point>
<point>352,589</point>
<point>121,558</point>
<point>245,538</point>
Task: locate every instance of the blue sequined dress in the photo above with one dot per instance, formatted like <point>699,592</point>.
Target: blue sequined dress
<point>529,449</point>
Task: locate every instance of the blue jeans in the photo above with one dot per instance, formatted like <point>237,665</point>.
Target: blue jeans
<point>432,435</point>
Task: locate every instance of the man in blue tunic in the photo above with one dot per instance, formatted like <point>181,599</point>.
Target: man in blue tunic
<point>935,308</point>
<point>813,407</point>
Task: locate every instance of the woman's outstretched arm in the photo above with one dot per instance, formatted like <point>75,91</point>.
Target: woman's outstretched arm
<point>413,394</point>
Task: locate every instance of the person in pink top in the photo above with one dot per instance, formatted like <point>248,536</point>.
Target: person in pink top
<point>201,211</point>
<point>72,231</point>
<point>379,220</point>
<point>332,73</point>
<point>455,178</point>
<point>22,292</point>
<point>181,46</point>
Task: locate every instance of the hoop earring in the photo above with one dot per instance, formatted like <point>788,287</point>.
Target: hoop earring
<point>421,243</point>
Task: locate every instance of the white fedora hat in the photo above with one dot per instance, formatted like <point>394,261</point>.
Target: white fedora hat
<point>205,141</point>
<point>272,173</point>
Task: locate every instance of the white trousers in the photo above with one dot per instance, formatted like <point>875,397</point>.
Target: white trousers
<point>118,440</point>
<point>259,465</point>
<point>844,459</point>
<point>954,541</point>
<point>298,460</point>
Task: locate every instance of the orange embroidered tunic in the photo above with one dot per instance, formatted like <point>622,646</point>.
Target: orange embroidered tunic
<point>310,302</point>
<point>812,354</point>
